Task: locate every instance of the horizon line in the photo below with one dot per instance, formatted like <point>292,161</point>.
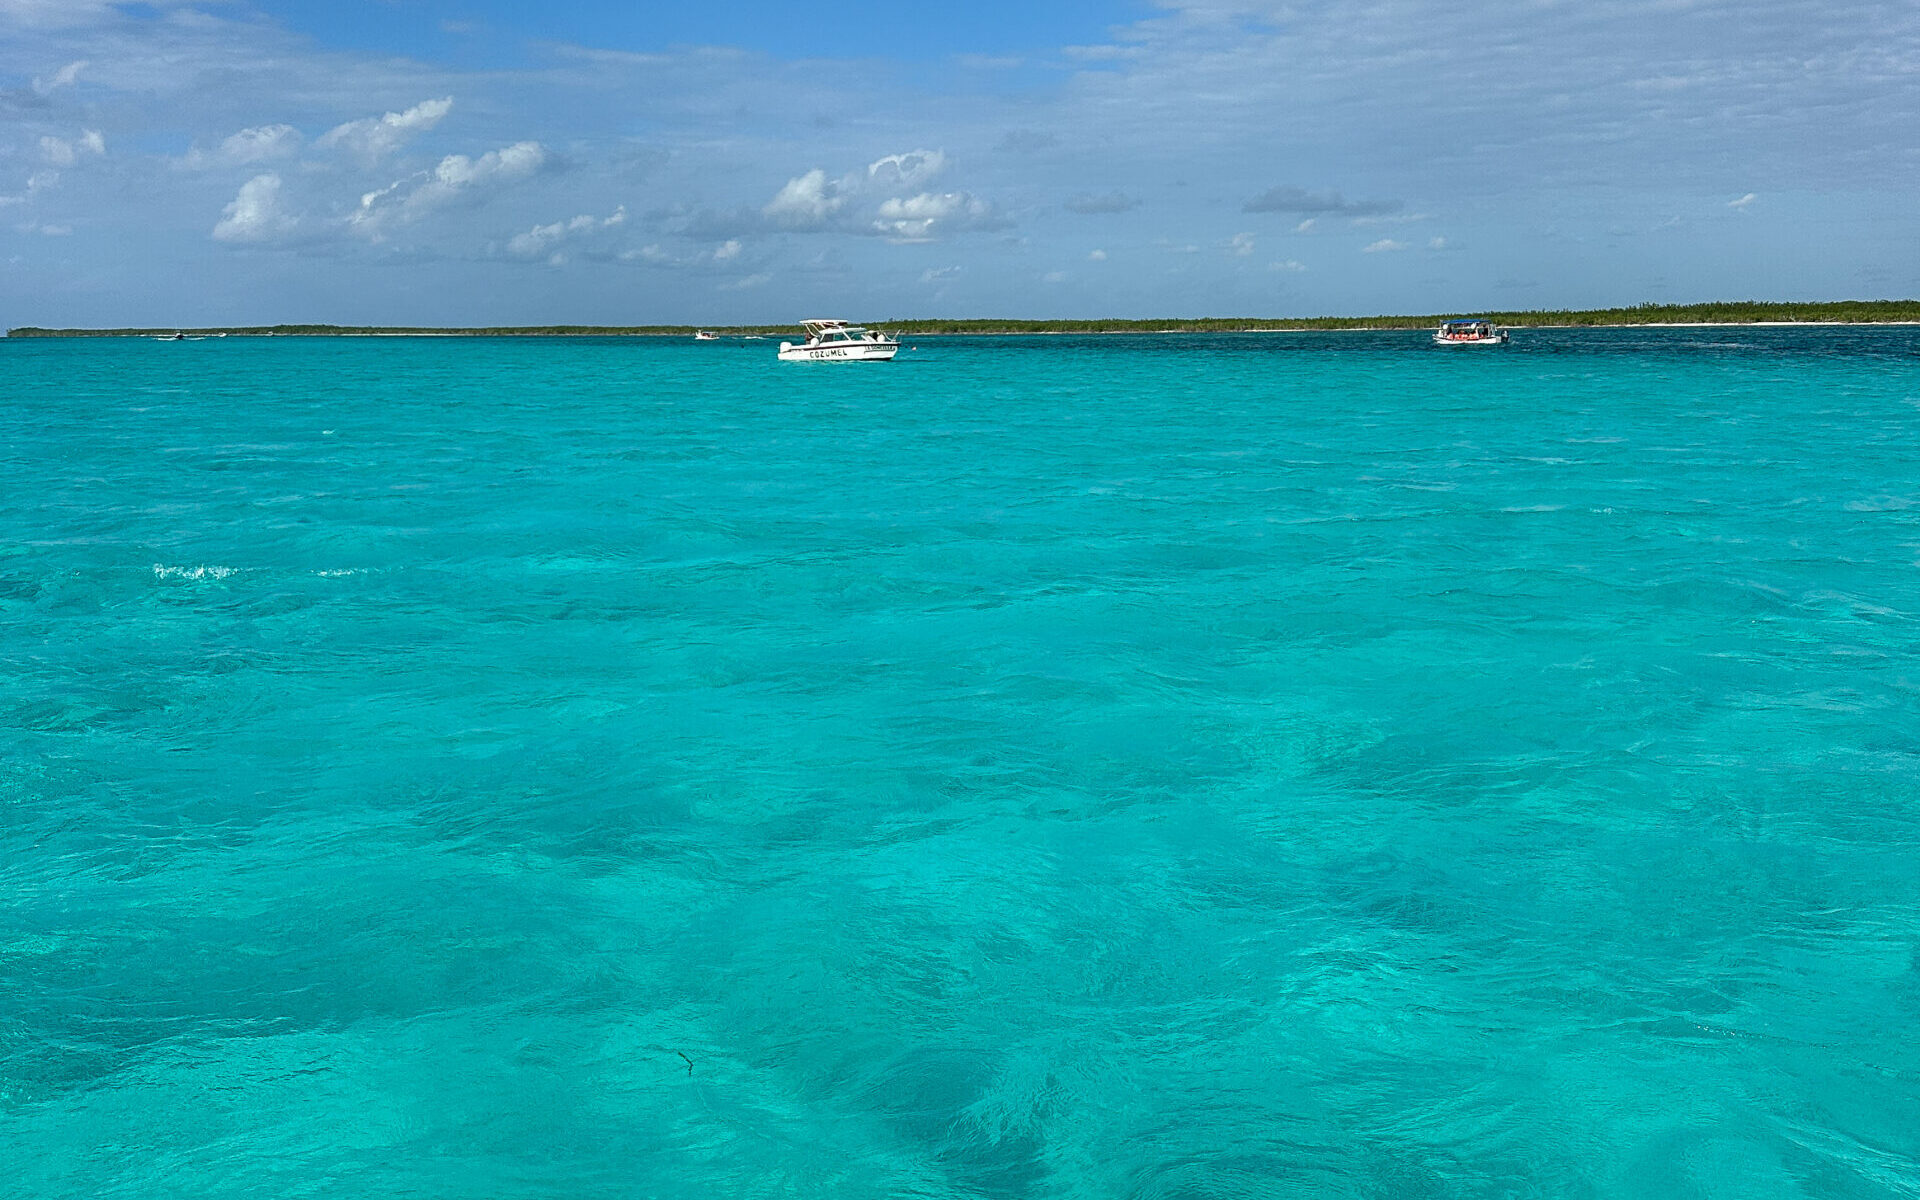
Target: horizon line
<point>1735,312</point>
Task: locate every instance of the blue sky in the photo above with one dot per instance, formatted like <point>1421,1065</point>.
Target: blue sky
<point>479,161</point>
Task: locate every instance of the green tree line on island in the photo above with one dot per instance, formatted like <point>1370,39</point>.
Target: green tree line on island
<point>1730,312</point>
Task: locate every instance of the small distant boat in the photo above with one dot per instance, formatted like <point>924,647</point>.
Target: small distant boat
<point>837,341</point>
<point>1469,331</point>
<point>706,335</point>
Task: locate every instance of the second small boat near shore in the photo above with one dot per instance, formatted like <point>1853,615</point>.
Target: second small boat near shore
<point>837,341</point>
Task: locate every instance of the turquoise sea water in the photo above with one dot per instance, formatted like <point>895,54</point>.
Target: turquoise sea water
<point>1161,767</point>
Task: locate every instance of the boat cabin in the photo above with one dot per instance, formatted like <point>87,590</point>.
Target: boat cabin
<point>830,332</point>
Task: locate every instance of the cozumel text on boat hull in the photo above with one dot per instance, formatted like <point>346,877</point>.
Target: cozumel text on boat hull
<point>837,341</point>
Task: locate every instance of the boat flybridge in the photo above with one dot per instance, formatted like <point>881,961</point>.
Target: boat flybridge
<point>837,341</point>
<point>1469,331</point>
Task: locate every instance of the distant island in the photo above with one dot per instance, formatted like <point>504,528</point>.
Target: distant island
<point>1740,312</point>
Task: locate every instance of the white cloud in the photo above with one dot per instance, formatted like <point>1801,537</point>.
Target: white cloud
<point>726,250</point>
<point>45,230</point>
<point>1306,226</point>
<point>818,203</point>
<point>1383,246</point>
<point>1743,201</point>
<point>538,241</point>
<point>456,178</point>
<point>1241,245</point>
<point>1096,256</point>
<point>37,182</point>
<point>263,143</point>
<point>806,202</point>
<point>509,162</point>
<point>264,212</point>
<point>907,170</point>
<point>66,76</point>
<point>1291,264</point>
<point>543,241</point>
<point>374,138</point>
<point>257,214</point>
<point>1438,243</point>
<point>1054,277</point>
<point>859,203</point>
<point>369,199</point>
<point>938,274</point>
<point>63,153</point>
<point>747,282</point>
<point>924,217</point>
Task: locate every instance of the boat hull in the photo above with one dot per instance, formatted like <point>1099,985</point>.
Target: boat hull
<point>1496,340</point>
<point>848,352</point>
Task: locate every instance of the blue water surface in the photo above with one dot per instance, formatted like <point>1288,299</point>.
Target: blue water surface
<point>1164,767</point>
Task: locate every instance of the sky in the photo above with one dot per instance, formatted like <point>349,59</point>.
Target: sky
<point>489,162</point>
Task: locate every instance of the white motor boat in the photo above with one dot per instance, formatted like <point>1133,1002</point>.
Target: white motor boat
<point>837,341</point>
<point>705,335</point>
<point>1469,331</point>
